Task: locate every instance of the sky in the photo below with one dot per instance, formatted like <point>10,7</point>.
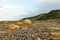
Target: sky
<point>14,10</point>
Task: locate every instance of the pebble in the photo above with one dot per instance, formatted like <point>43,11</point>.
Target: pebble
<point>24,28</point>
<point>38,38</point>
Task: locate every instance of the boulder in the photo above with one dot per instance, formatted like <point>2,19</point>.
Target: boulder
<point>27,21</point>
<point>20,23</point>
<point>13,26</point>
<point>24,22</point>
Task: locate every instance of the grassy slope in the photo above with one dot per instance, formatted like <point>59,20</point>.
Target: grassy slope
<point>54,14</point>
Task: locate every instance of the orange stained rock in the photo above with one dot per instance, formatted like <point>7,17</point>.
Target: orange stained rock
<point>20,23</point>
<point>13,26</point>
<point>27,21</point>
<point>55,35</point>
<point>24,22</point>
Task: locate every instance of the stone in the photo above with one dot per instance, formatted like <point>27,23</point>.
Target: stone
<point>24,22</point>
<point>24,28</point>
<point>27,21</point>
<point>13,26</point>
<point>38,38</point>
<point>20,23</point>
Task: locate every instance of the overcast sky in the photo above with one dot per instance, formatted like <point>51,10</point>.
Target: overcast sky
<point>18,9</point>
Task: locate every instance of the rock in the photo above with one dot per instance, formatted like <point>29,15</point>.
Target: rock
<point>27,21</point>
<point>20,23</point>
<point>33,35</point>
<point>54,24</point>
<point>13,26</point>
<point>55,35</point>
<point>24,22</point>
<point>53,28</point>
<point>24,28</point>
<point>38,38</point>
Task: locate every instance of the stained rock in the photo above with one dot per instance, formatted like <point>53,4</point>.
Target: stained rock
<point>27,21</point>
<point>13,26</point>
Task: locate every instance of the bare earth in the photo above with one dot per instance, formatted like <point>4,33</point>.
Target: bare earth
<point>38,30</point>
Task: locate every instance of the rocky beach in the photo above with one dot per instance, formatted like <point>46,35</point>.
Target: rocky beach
<point>38,30</point>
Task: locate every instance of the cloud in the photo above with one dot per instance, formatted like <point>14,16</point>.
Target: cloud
<point>49,4</point>
<point>10,12</point>
<point>3,0</point>
<point>42,1</point>
<point>53,1</point>
<point>49,1</point>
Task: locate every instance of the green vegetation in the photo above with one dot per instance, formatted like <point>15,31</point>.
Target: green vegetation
<point>54,14</point>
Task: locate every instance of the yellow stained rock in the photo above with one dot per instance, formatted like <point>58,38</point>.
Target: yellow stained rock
<point>13,26</point>
<point>27,21</point>
<point>55,35</point>
<point>19,23</point>
<point>24,22</point>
